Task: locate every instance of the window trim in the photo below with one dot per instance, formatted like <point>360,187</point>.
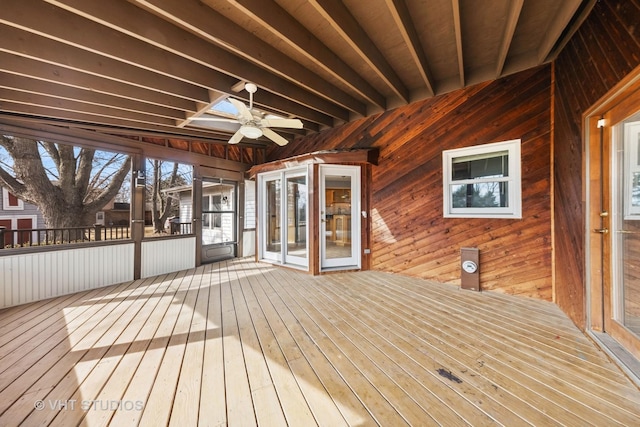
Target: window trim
<point>9,207</point>
<point>514,208</point>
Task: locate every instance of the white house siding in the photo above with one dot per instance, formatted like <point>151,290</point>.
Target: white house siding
<point>186,207</point>
<point>160,256</point>
<point>31,277</point>
<point>249,205</point>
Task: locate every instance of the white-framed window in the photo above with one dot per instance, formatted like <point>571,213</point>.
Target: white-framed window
<point>483,181</point>
<point>11,202</point>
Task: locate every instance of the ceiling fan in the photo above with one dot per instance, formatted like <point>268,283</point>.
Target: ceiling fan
<point>253,124</point>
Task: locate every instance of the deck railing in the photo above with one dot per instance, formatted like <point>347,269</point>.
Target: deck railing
<point>179,227</point>
<point>58,236</point>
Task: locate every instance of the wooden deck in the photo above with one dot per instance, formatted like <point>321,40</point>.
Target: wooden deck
<point>240,343</point>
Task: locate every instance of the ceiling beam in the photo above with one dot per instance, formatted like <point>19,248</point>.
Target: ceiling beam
<point>457,27</point>
<point>515,8</point>
<point>40,87</point>
<point>65,105</point>
<point>131,47</point>
<point>341,20</point>
<point>135,22</point>
<point>19,42</point>
<point>128,127</point>
<point>581,14</point>
<point>277,21</point>
<point>401,15</point>
<point>46,72</point>
<point>73,66</point>
<point>566,11</point>
<point>215,28</point>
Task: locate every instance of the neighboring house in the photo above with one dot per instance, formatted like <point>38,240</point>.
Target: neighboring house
<point>218,210</point>
<point>15,214</point>
<point>117,213</point>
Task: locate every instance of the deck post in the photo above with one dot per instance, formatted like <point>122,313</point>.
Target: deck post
<point>97,232</point>
<point>2,230</point>
<point>137,211</point>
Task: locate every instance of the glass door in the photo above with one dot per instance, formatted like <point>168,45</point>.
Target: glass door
<point>339,217</point>
<point>283,233</point>
<point>625,226</point>
<point>271,238</point>
<point>296,220</point>
<point>219,219</point>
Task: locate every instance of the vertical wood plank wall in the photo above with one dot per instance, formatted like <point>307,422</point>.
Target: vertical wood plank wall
<point>31,277</point>
<point>603,51</point>
<point>160,256</point>
<point>409,234</point>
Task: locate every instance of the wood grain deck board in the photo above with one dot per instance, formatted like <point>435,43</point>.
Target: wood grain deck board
<point>243,343</point>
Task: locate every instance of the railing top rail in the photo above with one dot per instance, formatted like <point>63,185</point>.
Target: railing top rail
<point>31,237</point>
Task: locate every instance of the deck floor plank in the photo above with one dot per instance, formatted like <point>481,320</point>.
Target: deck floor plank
<point>503,364</point>
<point>116,386</point>
<point>35,367</point>
<point>265,399</point>
<point>290,397</point>
<point>158,406</point>
<point>548,341</point>
<point>102,360</point>
<point>65,377</point>
<point>292,366</point>
<point>397,346</point>
<point>143,375</point>
<point>242,343</point>
<point>213,408</point>
<point>240,409</point>
<point>518,345</point>
<point>186,403</point>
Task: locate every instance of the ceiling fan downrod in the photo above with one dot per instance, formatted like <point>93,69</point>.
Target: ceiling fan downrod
<point>251,88</point>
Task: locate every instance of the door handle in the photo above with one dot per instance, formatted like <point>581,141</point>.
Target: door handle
<point>601,230</point>
<point>627,232</point>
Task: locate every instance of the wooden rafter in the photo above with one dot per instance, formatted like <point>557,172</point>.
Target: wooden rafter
<point>401,15</point>
<point>338,16</point>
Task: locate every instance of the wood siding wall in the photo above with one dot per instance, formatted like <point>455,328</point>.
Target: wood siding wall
<point>604,50</point>
<point>31,277</point>
<point>409,233</point>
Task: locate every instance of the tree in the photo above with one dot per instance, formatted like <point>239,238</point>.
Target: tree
<point>162,203</point>
<point>476,195</point>
<point>69,185</point>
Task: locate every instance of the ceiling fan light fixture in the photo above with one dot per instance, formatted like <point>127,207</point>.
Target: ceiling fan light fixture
<point>250,132</point>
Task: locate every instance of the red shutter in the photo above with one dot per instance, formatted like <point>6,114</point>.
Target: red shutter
<point>13,200</point>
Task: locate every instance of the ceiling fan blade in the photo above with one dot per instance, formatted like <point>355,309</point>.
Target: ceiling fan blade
<point>236,138</point>
<point>242,109</point>
<point>274,137</point>
<point>282,123</point>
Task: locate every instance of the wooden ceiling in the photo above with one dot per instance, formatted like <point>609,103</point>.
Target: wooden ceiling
<point>147,66</point>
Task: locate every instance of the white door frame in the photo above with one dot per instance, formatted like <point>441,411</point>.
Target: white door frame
<point>353,261</point>
<point>280,256</point>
